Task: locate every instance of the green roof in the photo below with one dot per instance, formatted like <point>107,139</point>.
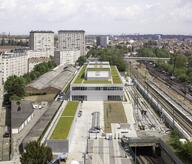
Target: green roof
<point>63,126</point>
<point>79,79</point>
<point>98,69</point>
<point>114,72</point>
<point>115,75</point>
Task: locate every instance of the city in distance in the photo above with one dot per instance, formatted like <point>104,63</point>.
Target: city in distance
<point>95,82</point>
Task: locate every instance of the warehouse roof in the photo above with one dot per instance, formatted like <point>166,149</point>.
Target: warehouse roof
<point>56,78</point>
<point>20,111</point>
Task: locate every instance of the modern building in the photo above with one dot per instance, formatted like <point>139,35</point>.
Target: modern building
<point>102,41</point>
<point>97,81</point>
<point>14,63</point>
<point>66,57</point>
<point>72,40</point>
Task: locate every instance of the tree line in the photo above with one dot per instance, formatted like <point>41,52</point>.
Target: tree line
<point>113,55</point>
<point>15,85</point>
<point>179,65</point>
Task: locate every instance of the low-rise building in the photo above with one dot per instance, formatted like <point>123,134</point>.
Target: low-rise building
<point>22,113</point>
<point>97,81</point>
<point>66,57</point>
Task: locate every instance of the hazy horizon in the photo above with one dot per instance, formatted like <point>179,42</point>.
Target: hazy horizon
<point>113,17</point>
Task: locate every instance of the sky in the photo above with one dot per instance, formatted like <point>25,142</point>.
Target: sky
<point>97,16</point>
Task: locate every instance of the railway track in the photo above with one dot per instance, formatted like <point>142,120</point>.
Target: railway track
<point>143,159</point>
<point>177,116</point>
<point>144,120</point>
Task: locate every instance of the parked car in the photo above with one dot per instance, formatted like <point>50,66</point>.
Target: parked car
<point>94,131</point>
<point>79,113</point>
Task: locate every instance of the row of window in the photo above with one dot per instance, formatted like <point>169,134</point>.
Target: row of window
<point>97,88</point>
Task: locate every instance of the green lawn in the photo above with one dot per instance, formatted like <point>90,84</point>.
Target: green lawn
<point>113,113</point>
<point>70,108</point>
<point>62,129</point>
<point>64,124</point>
<point>115,75</point>
<point>97,82</point>
<point>98,69</point>
<point>80,76</point>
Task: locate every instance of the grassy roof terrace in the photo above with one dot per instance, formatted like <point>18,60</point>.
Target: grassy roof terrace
<point>63,126</point>
<point>114,72</point>
<point>115,75</point>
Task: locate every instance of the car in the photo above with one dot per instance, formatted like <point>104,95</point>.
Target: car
<point>79,113</point>
<point>6,135</point>
<point>94,131</point>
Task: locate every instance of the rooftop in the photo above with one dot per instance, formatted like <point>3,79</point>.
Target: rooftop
<point>20,112</point>
<point>98,75</point>
<point>71,31</point>
<point>41,31</point>
<point>56,78</point>
<point>63,126</point>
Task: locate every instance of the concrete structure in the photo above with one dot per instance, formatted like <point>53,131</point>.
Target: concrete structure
<point>72,40</point>
<point>14,63</point>
<point>42,41</point>
<point>21,114</point>
<point>97,81</point>
<point>102,41</point>
<point>66,57</point>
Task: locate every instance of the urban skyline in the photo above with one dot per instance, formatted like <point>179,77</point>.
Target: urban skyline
<point>97,17</point>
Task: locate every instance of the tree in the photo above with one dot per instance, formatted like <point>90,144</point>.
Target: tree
<point>36,153</point>
<point>81,60</point>
<point>15,86</point>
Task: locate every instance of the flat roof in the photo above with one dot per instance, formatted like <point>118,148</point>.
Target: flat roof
<point>71,31</point>
<point>63,126</point>
<point>80,77</point>
<point>19,113</point>
<point>41,31</point>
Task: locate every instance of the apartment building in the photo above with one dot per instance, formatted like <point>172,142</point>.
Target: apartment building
<point>66,57</point>
<point>36,57</point>
<point>42,41</point>
<point>72,40</point>
<point>1,81</point>
<point>102,41</point>
<point>14,63</point>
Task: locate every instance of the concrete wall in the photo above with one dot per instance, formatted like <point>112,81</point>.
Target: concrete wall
<point>59,146</point>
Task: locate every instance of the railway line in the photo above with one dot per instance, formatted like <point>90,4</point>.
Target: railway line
<point>143,159</point>
<point>181,118</point>
<point>149,119</point>
<point>177,118</point>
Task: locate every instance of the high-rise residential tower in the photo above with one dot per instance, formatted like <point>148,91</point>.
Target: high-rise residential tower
<point>72,40</point>
<point>42,41</point>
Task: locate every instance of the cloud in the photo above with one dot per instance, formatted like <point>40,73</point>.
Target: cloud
<point>97,16</point>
